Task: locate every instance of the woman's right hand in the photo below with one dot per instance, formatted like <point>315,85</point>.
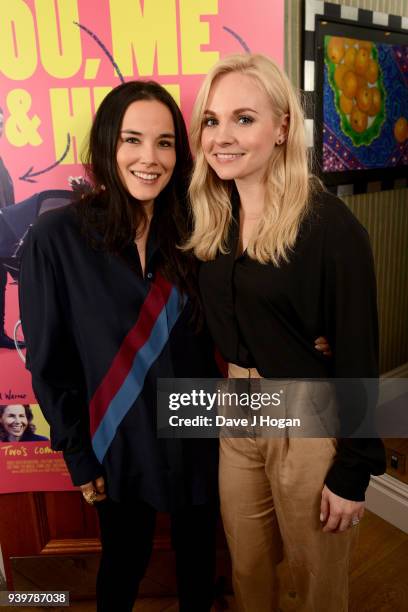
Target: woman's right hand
<point>94,491</point>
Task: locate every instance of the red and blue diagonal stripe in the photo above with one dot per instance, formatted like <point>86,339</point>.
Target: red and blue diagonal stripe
<point>124,381</point>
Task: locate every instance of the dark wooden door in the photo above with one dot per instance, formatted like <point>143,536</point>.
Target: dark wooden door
<point>50,541</point>
<point>39,525</point>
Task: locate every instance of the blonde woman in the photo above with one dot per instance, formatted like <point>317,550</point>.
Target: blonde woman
<point>282,262</point>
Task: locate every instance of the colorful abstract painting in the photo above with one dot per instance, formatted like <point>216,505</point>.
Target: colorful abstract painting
<point>365,105</point>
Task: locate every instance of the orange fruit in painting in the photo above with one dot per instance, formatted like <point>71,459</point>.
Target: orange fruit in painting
<point>365,44</point>
<point>364,99</point>
<point>350,84</point>
<point>350,57</point>
<point>401,129</point>
<point>372,71</point>
<point>358,120</point>
<point>346,104</point>
<point>361,81</point>
<point>376,102</point>
<point>335,49</point>
<point>339,74</point>
<point>361,61</point>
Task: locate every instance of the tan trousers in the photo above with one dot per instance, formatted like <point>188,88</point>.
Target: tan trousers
<point>270,492</point>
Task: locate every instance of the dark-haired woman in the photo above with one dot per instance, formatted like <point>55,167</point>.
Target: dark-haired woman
<point>16,424</point>
<point>107,304</point>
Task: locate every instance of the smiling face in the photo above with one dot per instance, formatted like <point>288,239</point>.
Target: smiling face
<point>14,421</point>
<point>146,153</point>
<point>239,130</point>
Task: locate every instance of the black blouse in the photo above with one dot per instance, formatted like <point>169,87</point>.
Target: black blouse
<point>268,317</point>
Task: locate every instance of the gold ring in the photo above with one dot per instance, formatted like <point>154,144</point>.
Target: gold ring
<point>90,497</point>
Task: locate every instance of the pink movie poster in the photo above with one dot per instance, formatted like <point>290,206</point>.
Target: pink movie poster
<point>58,59</point>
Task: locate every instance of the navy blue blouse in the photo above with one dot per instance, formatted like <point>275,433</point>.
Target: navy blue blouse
<point>98,336</point>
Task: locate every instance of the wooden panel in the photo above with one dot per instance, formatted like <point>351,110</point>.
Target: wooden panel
<point>67,565</point>
<point>46,523</point>
<point>67,515</point>
<point>17,535</point>
<point>385,216</point>
<point>50,542</point>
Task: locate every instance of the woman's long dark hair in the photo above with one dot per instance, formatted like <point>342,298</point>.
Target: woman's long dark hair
<point>111,210</point>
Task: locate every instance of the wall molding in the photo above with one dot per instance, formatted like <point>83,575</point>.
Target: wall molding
<point>388,498</point>
<point>400,372</point>
<point>73,546</point>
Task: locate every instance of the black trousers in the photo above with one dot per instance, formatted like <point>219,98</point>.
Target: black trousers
<point>127,531</point>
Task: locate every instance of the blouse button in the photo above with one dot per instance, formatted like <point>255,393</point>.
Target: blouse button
<point>149,275</point>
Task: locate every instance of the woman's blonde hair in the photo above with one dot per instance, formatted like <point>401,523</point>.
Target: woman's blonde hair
<point>287,181</point>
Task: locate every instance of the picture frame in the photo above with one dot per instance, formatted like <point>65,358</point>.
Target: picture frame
<point>372,153</point>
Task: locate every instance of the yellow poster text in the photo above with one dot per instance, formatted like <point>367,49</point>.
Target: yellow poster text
<point>12,451</point>
<point>60,59</point>
<point>21,128</point>
<point>59,40</point>
<point>195,33</point>
<point>45,450</point>
<point>151,35</point>
<point>45,466</point>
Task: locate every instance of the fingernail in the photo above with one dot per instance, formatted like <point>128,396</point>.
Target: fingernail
<point>321,517</point>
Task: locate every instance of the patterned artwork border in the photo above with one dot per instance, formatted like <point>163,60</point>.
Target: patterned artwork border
<point>358,16</point>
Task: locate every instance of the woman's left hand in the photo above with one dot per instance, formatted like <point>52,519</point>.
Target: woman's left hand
<point>338,513</point>
<point>322,345</point>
